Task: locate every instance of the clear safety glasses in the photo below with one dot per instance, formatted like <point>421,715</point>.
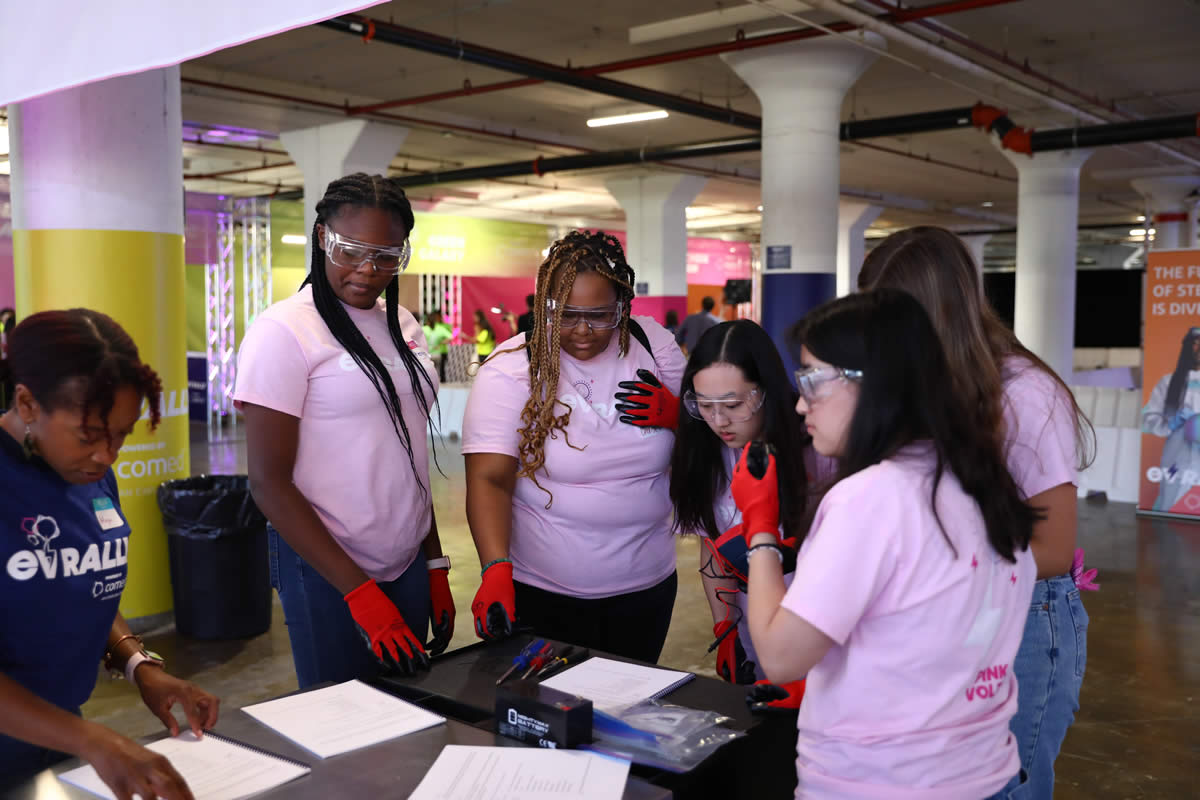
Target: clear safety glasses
<point>729,409</point>
<point>350,253</point>
<point>815,383</point>
<point>597,318</point>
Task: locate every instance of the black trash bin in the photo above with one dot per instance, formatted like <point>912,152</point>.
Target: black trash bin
<point>217,547</point>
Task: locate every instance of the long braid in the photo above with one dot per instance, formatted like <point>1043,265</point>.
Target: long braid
<point>370,191</point>
<point>577,252</point>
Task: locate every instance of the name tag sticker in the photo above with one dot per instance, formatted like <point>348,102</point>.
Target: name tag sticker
<point>106,514</point>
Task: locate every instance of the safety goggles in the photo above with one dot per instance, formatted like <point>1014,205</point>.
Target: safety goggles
<point>350,253</point>
<point>816,383</point>
<point>597,318</point>
<point>730,409</point>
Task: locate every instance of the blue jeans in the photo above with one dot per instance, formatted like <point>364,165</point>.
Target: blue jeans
<point>326,642</point>
<point>1049,670</point>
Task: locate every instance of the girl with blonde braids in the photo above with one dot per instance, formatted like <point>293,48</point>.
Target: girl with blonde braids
<point>570,508</point>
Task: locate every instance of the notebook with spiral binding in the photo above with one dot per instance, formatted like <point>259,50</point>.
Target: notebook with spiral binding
<point>215,768</point>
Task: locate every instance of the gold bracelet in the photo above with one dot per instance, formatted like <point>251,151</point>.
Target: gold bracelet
<point>112,651</point>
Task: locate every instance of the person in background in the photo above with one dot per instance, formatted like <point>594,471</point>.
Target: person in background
<point>336,386</point>
<point>525,321</point>
<point>80,389</point>
<point>437,338</point>
<point>695,325</point>
<point>913,582</point>
<point>485,337</point>
<point>672,321</point>
<point>1046,439</point>
<point>8,320</point>
<point>569,507</point>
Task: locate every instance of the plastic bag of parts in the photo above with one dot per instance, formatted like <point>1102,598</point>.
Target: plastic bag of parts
<point>661,735</point>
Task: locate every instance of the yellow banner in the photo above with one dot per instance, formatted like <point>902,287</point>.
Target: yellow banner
<point>136,278</point>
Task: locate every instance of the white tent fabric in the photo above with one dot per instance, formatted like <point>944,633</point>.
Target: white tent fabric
<point>48,45</point>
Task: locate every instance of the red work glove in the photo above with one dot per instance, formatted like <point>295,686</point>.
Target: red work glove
<point>772,697</point>
<point>385,631</point>
<point>756,497</point>
<point>495,605</point>
<point>647,404</point>
<point>732,664</point>
<point>441,610</point>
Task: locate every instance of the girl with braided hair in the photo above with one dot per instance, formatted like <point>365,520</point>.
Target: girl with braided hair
<point>336,385</point>
<point>570,508</point>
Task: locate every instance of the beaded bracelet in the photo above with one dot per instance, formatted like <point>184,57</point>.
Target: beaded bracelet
<point>774,548</point>
<point>496,561</point>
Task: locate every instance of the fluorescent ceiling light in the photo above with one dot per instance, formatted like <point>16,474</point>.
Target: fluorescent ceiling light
<point>217,133</point>
<point>3,140</point>
<point>987,204</point>
<point>621,119</point>
<point>293,238</point>
<point>1141,217</point>
<point>1142,232</point>
<point>4,169</point>
<point>760,208</point>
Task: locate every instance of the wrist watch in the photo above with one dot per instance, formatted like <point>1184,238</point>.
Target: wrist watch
<point>438,563</point>
<point>139,657</point>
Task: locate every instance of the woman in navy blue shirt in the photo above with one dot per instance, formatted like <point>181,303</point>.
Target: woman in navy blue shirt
<point>79,387</point>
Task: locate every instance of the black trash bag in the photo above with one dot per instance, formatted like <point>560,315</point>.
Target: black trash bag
<point>217,548</point>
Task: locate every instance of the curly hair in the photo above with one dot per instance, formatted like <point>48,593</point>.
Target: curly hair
<point>79,358</point>
<point>576,253</point>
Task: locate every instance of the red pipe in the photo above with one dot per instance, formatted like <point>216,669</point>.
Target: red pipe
<point>441,126</point>
<point>689,53</point>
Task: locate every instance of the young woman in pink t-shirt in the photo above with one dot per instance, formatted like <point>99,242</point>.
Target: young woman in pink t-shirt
<point>568,506</point>
<point>1015,396</point>
<point>911,586</point>
<point>736,390</point>
<point>336,385</point>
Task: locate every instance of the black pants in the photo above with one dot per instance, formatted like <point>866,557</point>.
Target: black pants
<point>633,625</point>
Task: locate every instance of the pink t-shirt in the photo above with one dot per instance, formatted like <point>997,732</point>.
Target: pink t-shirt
<point>914,698</point>
<point>350,464</point>
<point>608,530</point>
<point>1039,420</point>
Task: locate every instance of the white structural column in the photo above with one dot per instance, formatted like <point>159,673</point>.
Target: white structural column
<point>656,237</point>
<point>1168,197</point>
<point>801,86</point>
<point>327,152</point>
<point>975,243</point>
<point>1047,225</point>
<point>854,217</point>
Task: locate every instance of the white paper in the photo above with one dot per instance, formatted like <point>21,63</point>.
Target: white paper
<point>214,769</point>
<point>518,773</point>
<point>342,718</point>
<point>612,685</point>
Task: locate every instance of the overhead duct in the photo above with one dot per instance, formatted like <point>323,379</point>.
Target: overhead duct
<point>985,117</point>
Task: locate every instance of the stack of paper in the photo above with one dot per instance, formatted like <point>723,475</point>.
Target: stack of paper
<point>341,718</point>
<point>613,685</point>
<point>214,768</point>
<point>516,773</point>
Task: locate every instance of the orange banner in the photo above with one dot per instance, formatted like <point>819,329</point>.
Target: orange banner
<point>1171,385</point>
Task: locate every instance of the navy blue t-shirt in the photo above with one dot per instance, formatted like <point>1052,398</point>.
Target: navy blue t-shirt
<point>63,552</point>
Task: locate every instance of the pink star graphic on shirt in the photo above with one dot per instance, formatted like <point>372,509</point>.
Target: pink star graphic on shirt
<point>974,561</point>
<point>1014,578</point>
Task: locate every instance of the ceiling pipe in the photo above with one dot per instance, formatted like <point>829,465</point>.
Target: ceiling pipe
<point>377,30</point>
<point>914,42</point>
<point>686,54</point>
<point>984,117</point>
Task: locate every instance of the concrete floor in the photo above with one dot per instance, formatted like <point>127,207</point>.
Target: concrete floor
<point>1137,734</point>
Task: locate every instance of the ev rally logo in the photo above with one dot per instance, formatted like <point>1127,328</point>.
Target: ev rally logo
<point>41,531</point>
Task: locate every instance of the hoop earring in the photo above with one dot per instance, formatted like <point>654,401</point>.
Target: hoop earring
<point>27,445</point>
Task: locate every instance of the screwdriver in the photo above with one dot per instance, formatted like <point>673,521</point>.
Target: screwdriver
<point>572,655</point>
<point>539,660</point>
<point>522,659</point>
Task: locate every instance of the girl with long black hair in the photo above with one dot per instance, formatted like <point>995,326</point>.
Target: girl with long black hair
<point>735,390</point>
<point>1173,413</point>
<point>336,386</point>
<point>913,581</point>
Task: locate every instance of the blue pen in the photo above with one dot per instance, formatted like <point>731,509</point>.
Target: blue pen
<point>522,660</point>
<point>606,723</point>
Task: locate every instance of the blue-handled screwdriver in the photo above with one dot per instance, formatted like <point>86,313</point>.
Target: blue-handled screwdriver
<point>523,658</point>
